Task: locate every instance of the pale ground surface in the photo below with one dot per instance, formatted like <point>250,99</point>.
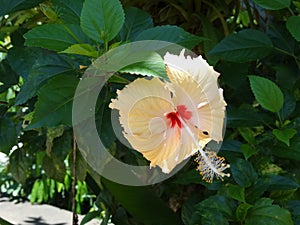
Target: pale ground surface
<point>28,214</point>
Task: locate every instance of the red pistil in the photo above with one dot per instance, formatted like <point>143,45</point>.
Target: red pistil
<point>174,116</point>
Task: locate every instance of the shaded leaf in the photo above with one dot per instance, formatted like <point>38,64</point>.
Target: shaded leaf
<point>136,21</point>
<point>54,105</point>
<point>244,46</point>
<point>55,37</point>
<point>236,192</point>
<point>273,4</point>
<point>8,135</point>
<point>46,67</point>
<point>292,24</point>
<point>277,182</point>
<point>294,208</point>
<point>267,93</point>
<point>264,212</point>
<point>68,10</point>
<point>171,34</point>
<point>8,77</point>
<point>54,168</point>
<point>248,150</point>
<point>143,204</point>
<point>18,165</point>
<point>243,173</point>
<point>102,20</point>
<point>16,5</point>
<point>288,152</point>
<point>242,210</point>
<point>285,134</point>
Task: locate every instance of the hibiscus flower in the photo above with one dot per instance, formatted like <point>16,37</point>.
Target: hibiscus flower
<point>170,121</point>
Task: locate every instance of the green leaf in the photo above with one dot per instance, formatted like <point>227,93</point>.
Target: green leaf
<point>242,210</point>
<point>288,107</point>
<point>246,45</point>
<point>16,5</point>
<point>18,165</point>
<point>55,37</point>
<point>68,10</point>
<point>46,67</point>
<point>248,134</point>
<point>8,77</point>
<point>171,34</point>
<point>8,135</point>
<point>294,208</point>
<point>243,173</point>
<point>82,49</point>
<point>264,212</point>
<point>136,21</point>
<point>291,152</point>
<point>152,66</point>
<point>236,192</point>
<point>277,182</point>
<point>142,204</point>
<point>267,93</point>
<point>102,20</point>
<point>215,210</point>
<point>28,55</point>
<point>90,215</point>
<point>54,105</point>
<point>273,4</point>
<point>248,150</point>
<point>54,168</point>
<point>292,24</point>
<point>285,134</point>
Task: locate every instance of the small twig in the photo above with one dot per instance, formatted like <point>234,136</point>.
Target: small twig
<point>75,216</point>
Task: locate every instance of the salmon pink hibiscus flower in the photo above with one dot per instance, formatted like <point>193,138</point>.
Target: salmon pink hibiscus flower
<point>170,121</point>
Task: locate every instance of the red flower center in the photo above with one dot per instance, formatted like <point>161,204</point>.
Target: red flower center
<point>181,112</point>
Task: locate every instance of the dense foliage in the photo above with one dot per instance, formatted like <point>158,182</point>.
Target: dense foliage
<point>47,45</point>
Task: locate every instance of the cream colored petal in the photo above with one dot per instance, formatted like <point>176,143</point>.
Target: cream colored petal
<point>195,85</point>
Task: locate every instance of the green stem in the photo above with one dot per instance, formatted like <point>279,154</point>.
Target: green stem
<point>280,120</point>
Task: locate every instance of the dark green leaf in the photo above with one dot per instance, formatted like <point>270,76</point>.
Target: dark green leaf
<point>8,77</point>
<point>244,46</point>
<point>136,21</point>
<point>171,34</point>
<point>288,152</point>
<point>55,37</point>
<point>21,59</point>
<point>242,210</point>
<point>54,168</point>
<point>248,150</point>
<point>294,207</point>
<point>292,24</point>
<point>277,182</point>
<point>8,135</point>
<point>46,67</point>
<point>19,165</point>
<point>247,134</point>
<point>285,134</point>
<point>102,20</point>
<point>215,210</point>
<point>273,4</point>
<point>89,216</point>
<point>264,212</point>
<point>236,192</point>
<point>81,166</point>
<point>15,5</point>
<point>243,173</point>
<point>288,107</point>
<point>68,10</point>
<point>143,204</point>
<point>54,105</point>
<point>267,93</point>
